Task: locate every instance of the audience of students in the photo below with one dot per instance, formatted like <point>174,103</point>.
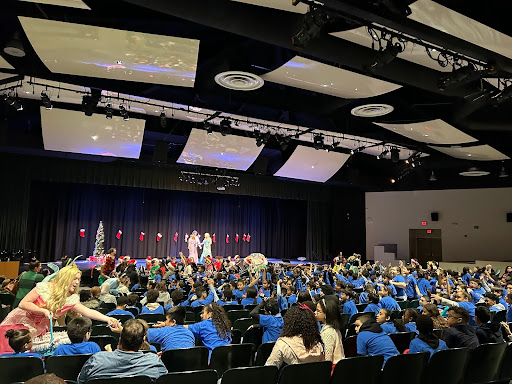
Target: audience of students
<point>79,332</point>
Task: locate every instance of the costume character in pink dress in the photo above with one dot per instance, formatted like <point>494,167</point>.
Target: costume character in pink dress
<point>192,248</point>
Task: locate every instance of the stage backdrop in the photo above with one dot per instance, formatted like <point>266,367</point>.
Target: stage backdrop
<point>58,211</point>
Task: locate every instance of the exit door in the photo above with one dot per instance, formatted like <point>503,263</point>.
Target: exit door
<point>428,249</point>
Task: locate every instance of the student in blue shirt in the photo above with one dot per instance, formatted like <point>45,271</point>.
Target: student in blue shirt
<point>476,290</point>
<point>227,298</point>
<point>271,321</point>
<point>426,340</point>
<point>122,302</point>
<point>252,297</point>
<point>373,303</point>
<point>423,285</point>
<point>20,340</point>
<point>201,297</point>
<point>466,277</point>
<point>215,328</point>
<point>349,306</point>
<point>240,291</point>
<point>385,320</point>
<point>133,299</point>
<point>152,306</point>
<point>291,296</point>
<point>509,306</point>
<point>371,340</point>
<point>386,301</point>
<point>409,320</point>
<point>171,334</point>
<point>399,283</point>
<point>462,300</point>
<point>79,332</point>
<point>363,297</point>
<point>410,290</point>
<point>386,282</point>
<point>492,302</point>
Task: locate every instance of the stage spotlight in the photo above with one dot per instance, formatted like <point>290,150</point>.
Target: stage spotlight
<point>89,104</point>
<point>108,111</point>
<point>384,57</point>
<point>13,102</point>
<point>163,119</point>
<point>393,181</point>
<point>225,127</point>
<point>318,142</point>
<point>503,172</point>
<point>458,77</point>
<point>383,154</point>
<point>352,152</point>
<point>208,127</point>
<point>46,101</point>
<point>503,95</point>
<point>124,112</point>
<point>312,25</point>
<point>395,154</point>
<point>432,177</point>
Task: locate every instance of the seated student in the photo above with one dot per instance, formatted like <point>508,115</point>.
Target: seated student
<point>386,301</point>
<point>373,303</point>
<point>215,328</point>
<point>462,300</point>
<point>125,361</point>
<point>426,340</point>
<point>251,297</point>
<point>432,311</point>
<point>487,332</point>
<point>20,340</point>
<point>493,302</point>
<point>347,297</point>
<point>327,312</point>
<point>122,302</point>
<point>386,321</point>
<point>477,292</point>
<point>133,300</point>
<point>409,319</point>
<point>227,298</point>
<point>240,290</point>
<point>300,341</point>
<point>266,288</point>
<point>372,340</point>
<point>303,296</point>
<point>508,299</point>
<point>291,295</point>
<point>271,321</point>
<point>201,297</point>
<point>152,306</point>
<point>424,300</point>
<point>90,299</point>
<point>171,334</point>
<point>460,333</point>
<point>79,332</point>
<point>368,289</point>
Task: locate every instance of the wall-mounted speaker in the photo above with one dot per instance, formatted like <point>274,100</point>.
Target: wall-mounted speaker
<point>509,217</point>
<point>434,216</point>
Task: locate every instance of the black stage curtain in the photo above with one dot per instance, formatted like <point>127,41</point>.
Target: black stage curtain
<point>58,211</point>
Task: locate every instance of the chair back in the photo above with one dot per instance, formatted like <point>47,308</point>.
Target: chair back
<point>264,351</point>
<point>122,318</point>
<point>250,375</point>
<point>440,368</point>
<point>197,313</point>
<point>7,299</point>
<point>403,304</point>
<point>500,316</point>
<point>19,368</point>
<point>151,318</point>
<point>104,330</point>
<point>349,370</point>
<point>208,376</point>
<point>109,306</point>
<point>402,340</point>
<point>66,367</point>
<point>250,307</point>
<point>236,336</point>
<point>190,316</point>
<point>361,307</point>
<point>345,317</point>
<point>237,314</point>
<point>253,336</point>
<point>133,311</point>
<point>414,304</point>
<point>104,340</point>
<point>231,356</point>
<point>440,333</point>
<point>232,307</point>
<point>506,366</point>
<point>122,380</point>
<point>317,372</point>
<point>411,366</point>
<point>350,346</point>
<point>186,359</point>
<point>484,363</point>
<point>243,324</point>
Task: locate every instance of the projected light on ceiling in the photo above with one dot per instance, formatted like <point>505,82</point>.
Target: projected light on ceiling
<point>215,150</point>
<point>310,164</point>
<point>72,131</point>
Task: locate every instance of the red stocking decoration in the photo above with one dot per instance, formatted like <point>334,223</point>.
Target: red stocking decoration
<point>119,233</point>
<point>236,238</point>
<point>158,236</point>
<point>244,238</point>
<point>227,239</point>
<point>141,236</point>
<point>82,232</point>
<point>248,237</point>
<point>213,238</point>
<point>176,237</point>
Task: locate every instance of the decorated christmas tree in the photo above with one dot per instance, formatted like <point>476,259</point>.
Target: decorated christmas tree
<point>100,239</point>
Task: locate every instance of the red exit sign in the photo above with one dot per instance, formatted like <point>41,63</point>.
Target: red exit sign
<point>429,231</point>
<point>423,223</point>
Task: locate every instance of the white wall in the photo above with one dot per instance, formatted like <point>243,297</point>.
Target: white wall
<point>390,215</point>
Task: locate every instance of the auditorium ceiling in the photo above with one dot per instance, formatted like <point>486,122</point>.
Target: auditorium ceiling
<point>369,94</point>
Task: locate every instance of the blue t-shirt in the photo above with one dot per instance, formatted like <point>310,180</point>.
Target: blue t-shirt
<point>120,312</point>
<point>470,307</point>
<point>349,307</point>
<point>411,327</point>
<point>372,308</point>
<point>206,331</point>
<point>410,290</point>
<point>363,298</point>
<point>389,303</point>
<point>83,348</point>
<point>272,327</point>
<point>238,294</point>
<point>22,354</point>
<point>233,302</point>
<point>509,314</point>
<point>466,278</point>
<point>423,285</point>
<point>418,345</point>
<point>388,328</point>
<point>371,344</point>
<point>250,301</point>
<point>292,299</point>
<point>399,291</point>
<point>158,311</point>
<point>477,294</point>
<point>171,337</point>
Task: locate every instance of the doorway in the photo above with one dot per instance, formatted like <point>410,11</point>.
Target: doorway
<point>425,246</point>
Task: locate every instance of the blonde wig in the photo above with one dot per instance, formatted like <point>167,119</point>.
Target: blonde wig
<point>60,288</point>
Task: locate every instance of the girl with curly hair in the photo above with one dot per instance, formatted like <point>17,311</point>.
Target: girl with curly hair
<point>215,328</point>
<point>300,341</point>
<point>432,311</point>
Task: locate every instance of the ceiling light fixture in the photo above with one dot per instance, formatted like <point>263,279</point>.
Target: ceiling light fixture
<point>458,77</point>
<point>124,112</point>
<point>89,104</point>
<point>47,103</point>
<point>208,127</point>
<point>225,127</point>
<point>318,142</point>
<point>384,57</point>
<point>395,154</point>
<point>503,172</point>
<point>503,95</point>
<point>163,119</point>
<point>14,102</point>
<point>312,25</point>
<point>108,111</point>
<point>432,177</point>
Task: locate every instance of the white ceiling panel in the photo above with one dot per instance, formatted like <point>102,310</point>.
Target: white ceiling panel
<point>413,52</point>
<point>63,3</point>
<point>318,77</point>
<point>4,64</point>
<point>310,164</point>
<point>215,150</point>
<point>446,20</point>
<point>433,132</point>
<point>479,152</point>
<point>85,50</point>
<point>283,5</point>
<point>72,131</point>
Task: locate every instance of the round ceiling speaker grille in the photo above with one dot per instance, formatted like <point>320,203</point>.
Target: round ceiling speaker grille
<point>474,172</point>
<point>372,110</point>
<point>239,81</point>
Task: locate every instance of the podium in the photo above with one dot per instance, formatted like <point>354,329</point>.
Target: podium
<point>9,269</point>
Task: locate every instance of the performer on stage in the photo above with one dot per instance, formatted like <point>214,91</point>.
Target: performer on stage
<point>108,266</point>
<point>193,242</point>
<point>207,247</point>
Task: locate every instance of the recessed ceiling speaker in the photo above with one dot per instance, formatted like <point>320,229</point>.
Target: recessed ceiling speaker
<point>509,217</point>
<point>434,216</point>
